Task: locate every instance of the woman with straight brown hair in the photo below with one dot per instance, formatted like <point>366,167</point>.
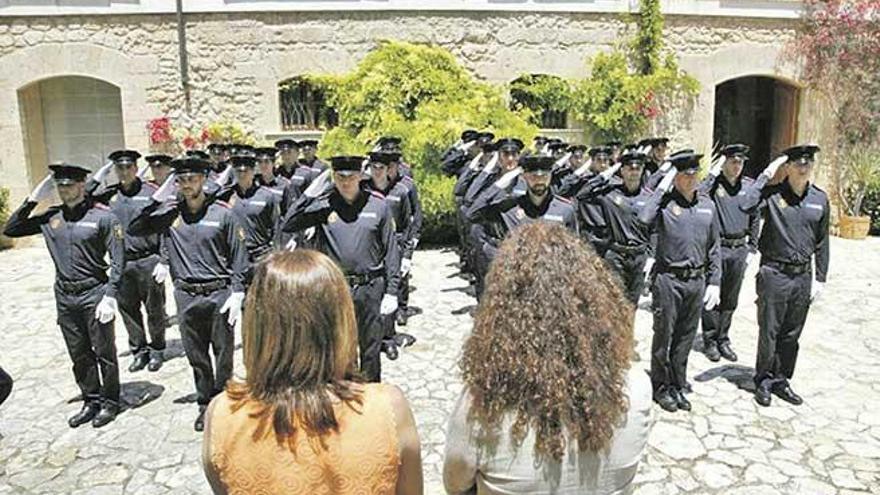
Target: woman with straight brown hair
<point>303,421</point>
<point>550,404</point>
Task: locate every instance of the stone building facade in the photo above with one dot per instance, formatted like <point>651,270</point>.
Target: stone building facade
<point>116,65</point>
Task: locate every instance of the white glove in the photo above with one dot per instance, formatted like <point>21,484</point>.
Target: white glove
<point>610,171</point>
<point>666,184</point>
<point>563,160</point>
<point>507,179</point>
<point>233,306</point>
<point>712,296</point>
<point>105,311</point>
<point>389,305</point>
<point>318,185</point>
<point>475,163</point>
<point>309,233</point>
<point>647,148</point>
<point>584,168</point>
<point>665,166</point>
<point>166,190</point>
<point>405,267</point>
<point>102,172</point>
<point>715,169</point>
<point>43,190</point>
<point>492,165</point>
<point>545,150</point>
<point>142,172</point>
<point>224,176</point>
<point>649,265</point>
<point>415,243</point>
<point>771,169</point>
<point>160,273</point>
<point>750,258</point>
<point>468,145</point>
<point>291,244</point>
<point>816,289</point>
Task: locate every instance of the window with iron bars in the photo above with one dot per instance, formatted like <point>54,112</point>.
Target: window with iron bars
<point>531,91</point>
<point>304,106</point>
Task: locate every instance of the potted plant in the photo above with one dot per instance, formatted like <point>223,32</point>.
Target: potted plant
<point>858,173</point>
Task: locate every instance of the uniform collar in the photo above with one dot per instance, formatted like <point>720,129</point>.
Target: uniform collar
<point>78,211</point>
<point>682,201</point>
<point>133,190</point>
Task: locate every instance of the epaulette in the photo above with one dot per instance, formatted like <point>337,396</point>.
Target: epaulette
<point>151,184</point>
<point>814,186</point>
<point>223,203</point>
<point>101,206</point>
<point>563,199</point>
<point>376,194</point>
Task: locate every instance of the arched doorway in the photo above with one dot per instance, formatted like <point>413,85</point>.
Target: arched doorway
<point>76,119</point>
<point>759,111</point>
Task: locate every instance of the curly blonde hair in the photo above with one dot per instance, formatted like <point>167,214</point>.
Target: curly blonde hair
<point>551,343</point>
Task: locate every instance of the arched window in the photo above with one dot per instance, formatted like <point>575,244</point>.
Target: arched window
<point>303,106</point>
<point>548,97</point>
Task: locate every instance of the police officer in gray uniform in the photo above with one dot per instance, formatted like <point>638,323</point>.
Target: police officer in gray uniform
<point>688,274</point>
<point>266,171</point>
<point>208,261</point>
<point>79,234</point>
<point>355,228</point>
<point>591,220</point>
<point>513,200</point>
<point>308,148</point>
<point>456,158</point>
<point>127,198</point>
<point>484,142</point>
<point>739,241</point>
<point>796,217</point>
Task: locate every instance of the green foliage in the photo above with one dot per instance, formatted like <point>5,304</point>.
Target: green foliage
<point>648,42</point>
<point>4,214</point>
<point>423,95</point>
<point>539,94</point>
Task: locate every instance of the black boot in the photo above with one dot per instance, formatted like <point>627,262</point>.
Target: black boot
<point>108,413</point>
<point>389,347</point>
<point>783,391</point>
<point>726,352</point>
<point>665,400</point>
<point>156,360</point>
<point>404,339</point>
<point>402,317</point>
<point>140,361</point>
<point>86,414</point>
<point>681,400</point>
<point>711,351</point>
<point>199,425</point>
<point>762,394</point>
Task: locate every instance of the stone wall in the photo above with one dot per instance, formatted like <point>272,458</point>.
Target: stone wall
<point>236,60</point>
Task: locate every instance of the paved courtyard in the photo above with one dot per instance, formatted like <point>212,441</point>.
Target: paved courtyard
<point>830,445</point>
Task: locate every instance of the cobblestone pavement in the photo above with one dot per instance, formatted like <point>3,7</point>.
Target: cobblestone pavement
<point>727,444</point>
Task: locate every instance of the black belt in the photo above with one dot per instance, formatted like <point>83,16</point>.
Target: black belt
<point>788,268</point>
<point>201,288</point>
<point>683,272</point>
<point>138,256</point>
<point>259,253</point>
<point>734,240</point>
<point>631,250</point>
<point>362,278</point>
<point>78,286</point>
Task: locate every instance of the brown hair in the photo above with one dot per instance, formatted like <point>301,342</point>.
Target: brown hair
<point>551,342</point>
<point>300,345</point>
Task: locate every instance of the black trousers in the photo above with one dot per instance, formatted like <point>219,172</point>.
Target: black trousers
<point>483,253</point>
<point>139,289</point>
<point>783,304</point>
<point>403,293</point>
<point>371,326</point>
<point>676,307</point>
<point>716,321</point>
<point>5,385</point>
<point>90,344</point>
<point>204,328</point>
<point>629,267</point>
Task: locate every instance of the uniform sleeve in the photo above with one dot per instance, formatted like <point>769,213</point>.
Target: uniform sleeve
<point>654,180</point>
<point>237,252</point>
<point>652,207</point>
<point>452,161</point>
<point>572,221</point>
<point>713,253</point>
<point>593,187</point>
<point>418,218</point>
<point>487,206</point>
<point>754,194</point>
<point>463,183</point>
<point>754,231</point>
<point>570,185</point>
<point>96,191</point>
<point>407,230</point>
<point>477,187</point>
<point>290,194</point>
<point>392,253</point>
<point>462,456</point>
<point>275,212</point>
<point>115,246</point>
<point>21,224</point>
<point>306,212</point>
<point>706,184</point>
<point>823,252</point>
<point>155,218</point>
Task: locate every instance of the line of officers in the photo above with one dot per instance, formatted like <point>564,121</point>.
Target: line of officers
<point>204,219</point>
<point>654,222</point>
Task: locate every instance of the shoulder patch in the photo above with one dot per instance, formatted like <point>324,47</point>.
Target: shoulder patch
<point>223,203</point>
<point>102,206</point>
<point>377,194</point>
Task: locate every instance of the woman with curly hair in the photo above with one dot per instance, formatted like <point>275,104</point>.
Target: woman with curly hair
<point>550,404</point>
<point>304,421</point>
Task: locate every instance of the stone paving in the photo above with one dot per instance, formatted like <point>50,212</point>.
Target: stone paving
<point>830,445</point>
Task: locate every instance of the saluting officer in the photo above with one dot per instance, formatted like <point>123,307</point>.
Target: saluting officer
<point>510,202</point>
<point>208,262</point>
<point>356,229</point>
<point>79,235</point>
<point>266,175</point>
<point>288,156</point>
<point>308,148</point>
<point>739,241</point>
<point>456,158</point>
<point>486,155</point>
<point>796,217</point>
<point>592,224</point>
<point>688,274</point>
<point>621,200</point>
<point>139,287</point>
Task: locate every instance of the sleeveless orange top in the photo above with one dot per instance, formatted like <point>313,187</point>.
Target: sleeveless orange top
<point>363,457</point>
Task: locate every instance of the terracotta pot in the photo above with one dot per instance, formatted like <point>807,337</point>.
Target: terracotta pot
<point>854,227</point>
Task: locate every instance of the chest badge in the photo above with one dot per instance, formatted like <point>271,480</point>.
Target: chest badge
<point>241,235</point>
<point>177,222</point>
<point>721,192</point>
<point>783,203</point>
<point>55,223</point>
<point>618,200</point>
<point>520,213</point>
<point>117,231</point>
<point>676,210</point>
<point>332,217</point>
